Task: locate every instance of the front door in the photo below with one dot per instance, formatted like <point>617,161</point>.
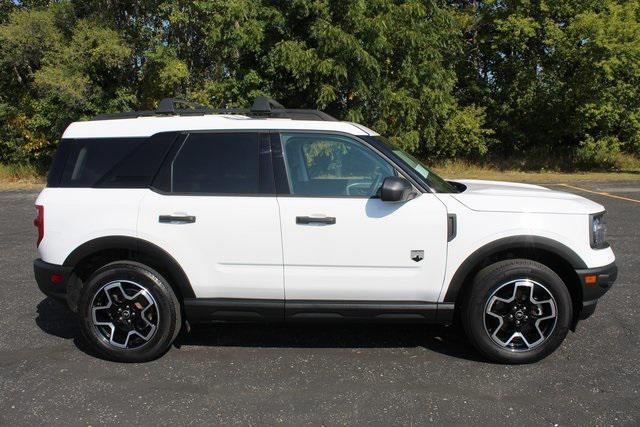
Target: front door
<point>341,242</point>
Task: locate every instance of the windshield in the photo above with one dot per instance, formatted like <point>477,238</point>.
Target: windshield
<point>434,182</point>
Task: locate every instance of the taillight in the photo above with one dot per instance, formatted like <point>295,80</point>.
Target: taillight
<point>39,222</point>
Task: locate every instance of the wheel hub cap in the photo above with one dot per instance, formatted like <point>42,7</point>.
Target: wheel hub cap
<point>124,314</point>
<point>520,315</point>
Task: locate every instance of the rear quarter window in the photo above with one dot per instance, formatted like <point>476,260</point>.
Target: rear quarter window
<point>88,160</point>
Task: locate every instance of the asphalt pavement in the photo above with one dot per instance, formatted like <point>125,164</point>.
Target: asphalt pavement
<point>317,374</point>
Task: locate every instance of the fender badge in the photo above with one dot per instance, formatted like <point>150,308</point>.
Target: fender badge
<point>417,255</point>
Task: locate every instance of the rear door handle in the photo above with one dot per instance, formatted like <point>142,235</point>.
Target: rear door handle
<point>315,220</point>
<point>177,219</point>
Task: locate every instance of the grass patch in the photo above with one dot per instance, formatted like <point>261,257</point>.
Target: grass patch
<point>463,169</point>
<point>20,176</point>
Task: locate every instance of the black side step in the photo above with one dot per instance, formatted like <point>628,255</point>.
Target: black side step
<point>262,310</point>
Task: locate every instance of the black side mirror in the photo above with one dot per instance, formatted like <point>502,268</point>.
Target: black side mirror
<point>396,189</point>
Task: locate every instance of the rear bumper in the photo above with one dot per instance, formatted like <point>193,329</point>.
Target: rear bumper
<point>595,282</point>
<point>52,279</point>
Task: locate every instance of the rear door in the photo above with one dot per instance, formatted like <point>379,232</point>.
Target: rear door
<point>340,241</point>
<point>213,208</point>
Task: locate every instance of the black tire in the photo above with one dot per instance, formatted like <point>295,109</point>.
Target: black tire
<point>161,322</point>
<point>501,278</point>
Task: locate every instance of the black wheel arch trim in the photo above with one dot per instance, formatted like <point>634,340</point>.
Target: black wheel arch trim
<point>134,244</point>
<point>509,243</point>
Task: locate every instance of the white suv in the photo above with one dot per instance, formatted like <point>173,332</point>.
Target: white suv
<point>151,220</point>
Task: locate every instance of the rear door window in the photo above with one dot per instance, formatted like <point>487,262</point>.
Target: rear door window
<point>217,163</point>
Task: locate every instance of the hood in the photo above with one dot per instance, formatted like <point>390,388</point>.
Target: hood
<point>499,196</point>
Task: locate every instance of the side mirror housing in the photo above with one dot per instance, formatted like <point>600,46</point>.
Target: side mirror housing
<point>396,189</point>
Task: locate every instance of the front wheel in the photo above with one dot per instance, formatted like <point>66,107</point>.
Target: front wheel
<point>518,311</point>
<point>129,312</point>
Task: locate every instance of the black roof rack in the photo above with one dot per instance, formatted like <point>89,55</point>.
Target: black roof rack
<point>262,107</point>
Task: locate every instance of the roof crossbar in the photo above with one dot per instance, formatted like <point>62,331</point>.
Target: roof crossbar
<point>263,104</point>
<point>168,105</point>
<point>263,107</point>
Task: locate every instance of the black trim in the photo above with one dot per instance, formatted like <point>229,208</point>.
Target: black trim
<point>361,311</point>
<point>279,167</point>
<point>505,244</point>
<point>303,220</point>
<point>452,227</point>
<point>270,310</point>
<point>266,183</point>
<point>588,308</point>
<point>161,182</point>
<point>607,275</point>
<point>138,245</point>
<point>233,309</point>
<point>446,312</point>
<point>177,219</point>
<point>43,272</point>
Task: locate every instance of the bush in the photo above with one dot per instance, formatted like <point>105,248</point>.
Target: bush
<point>599,153</point>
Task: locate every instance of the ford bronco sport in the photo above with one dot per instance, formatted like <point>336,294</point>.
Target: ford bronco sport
<point>152,220</point>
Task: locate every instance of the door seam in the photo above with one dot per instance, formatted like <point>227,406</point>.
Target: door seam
<point>284,283</point>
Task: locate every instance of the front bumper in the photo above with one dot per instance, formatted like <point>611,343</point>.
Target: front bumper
<point>595,282</point>
<point>52,279</point>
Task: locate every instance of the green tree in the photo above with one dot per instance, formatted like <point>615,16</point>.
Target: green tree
<point>442,79</point>
<point>553,74</point>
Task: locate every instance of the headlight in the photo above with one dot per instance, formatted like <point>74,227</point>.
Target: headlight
<point>598,231</point>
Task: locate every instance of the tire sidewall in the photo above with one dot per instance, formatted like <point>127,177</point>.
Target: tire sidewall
<point>156,285</point>
<point>488,281</point>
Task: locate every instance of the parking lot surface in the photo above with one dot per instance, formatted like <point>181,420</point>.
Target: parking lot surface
<point>317,374</point>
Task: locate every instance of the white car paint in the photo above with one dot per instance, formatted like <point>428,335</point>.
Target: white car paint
<point>476,229</point>
<point>497,196</point>
<point>365,255</point>
<point>147,126</point>
<point>74,216</point>
<point>233,250</point>
<point>251,247</point>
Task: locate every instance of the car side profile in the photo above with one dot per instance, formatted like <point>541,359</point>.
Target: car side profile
<point>154,220</point>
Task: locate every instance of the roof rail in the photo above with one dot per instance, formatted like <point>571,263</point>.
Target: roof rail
<point>263,107</point>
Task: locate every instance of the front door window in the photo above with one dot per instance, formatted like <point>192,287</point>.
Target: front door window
<point>332,166</point>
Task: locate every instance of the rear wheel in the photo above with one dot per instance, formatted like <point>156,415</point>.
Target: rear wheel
<point>518,311</point>
<point>129,312</point>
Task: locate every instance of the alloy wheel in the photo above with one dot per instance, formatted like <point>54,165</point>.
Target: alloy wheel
<point>124,314</point>
<point>520,315</point>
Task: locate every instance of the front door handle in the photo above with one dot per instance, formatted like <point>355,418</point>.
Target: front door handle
<point>177,219</point>
<point>328,220</point>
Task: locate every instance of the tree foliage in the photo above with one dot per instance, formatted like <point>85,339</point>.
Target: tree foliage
<point>562,74</point>
<point>441,79</point>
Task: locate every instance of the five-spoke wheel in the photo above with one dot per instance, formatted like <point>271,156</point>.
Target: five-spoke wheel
<point>520,314</point>
<point>129,312</point>
<point>125,313</point>
<point>517,311</point>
